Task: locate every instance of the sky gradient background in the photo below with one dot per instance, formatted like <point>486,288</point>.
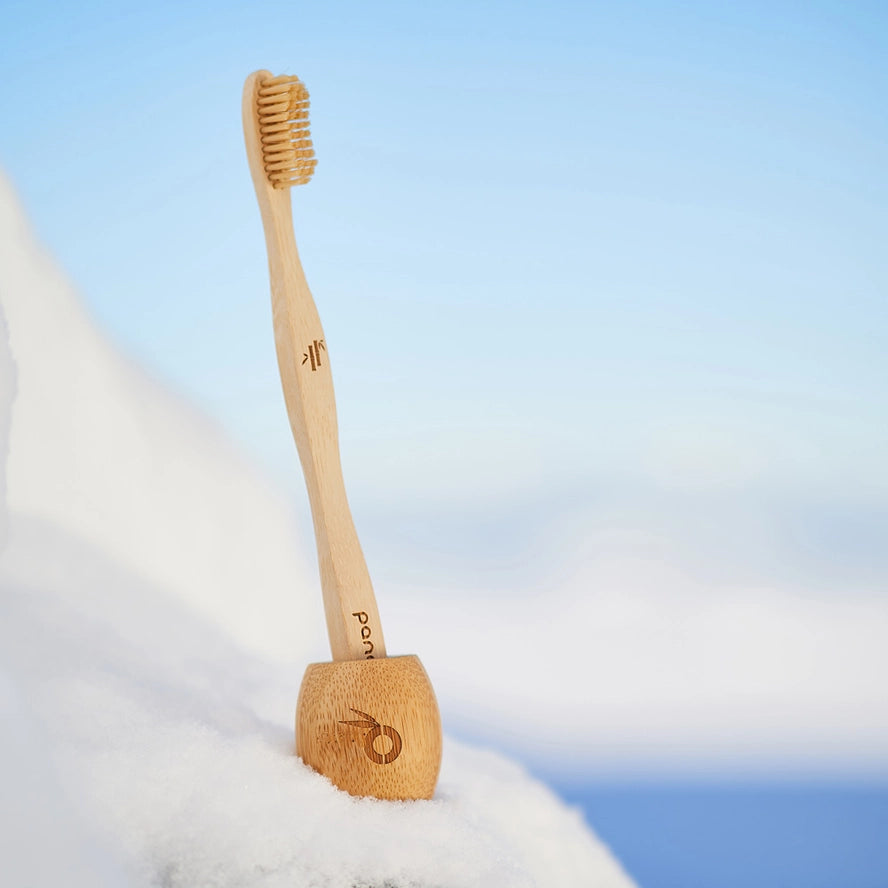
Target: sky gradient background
<point>579,265</point>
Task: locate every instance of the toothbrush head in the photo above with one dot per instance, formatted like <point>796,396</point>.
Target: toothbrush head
<point>282,111</point>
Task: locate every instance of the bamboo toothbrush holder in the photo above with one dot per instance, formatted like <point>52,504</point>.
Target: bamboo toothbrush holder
<point>371,726</point>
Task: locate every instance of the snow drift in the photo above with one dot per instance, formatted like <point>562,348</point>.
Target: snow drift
<point>155,622</point>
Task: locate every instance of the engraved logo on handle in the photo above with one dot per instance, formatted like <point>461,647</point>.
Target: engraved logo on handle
<point>314,354</point>
<point>366,632</point>
<point>376,730</point>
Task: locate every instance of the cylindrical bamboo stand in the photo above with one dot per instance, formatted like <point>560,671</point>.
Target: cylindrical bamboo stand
<point>371,726</point>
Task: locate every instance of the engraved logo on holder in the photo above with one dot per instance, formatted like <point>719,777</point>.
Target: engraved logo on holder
<point>376,730</point>
<point>314,353</point>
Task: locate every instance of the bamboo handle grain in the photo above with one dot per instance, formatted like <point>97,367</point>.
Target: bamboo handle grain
<point>304,362</point>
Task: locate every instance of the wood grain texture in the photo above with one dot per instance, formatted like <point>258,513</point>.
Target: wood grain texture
<point>304,362</point>
<point>372,727</point>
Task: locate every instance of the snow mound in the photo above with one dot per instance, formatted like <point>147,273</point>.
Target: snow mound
<point>149,602</point>
<point>7,392</point>
<point>99,448</point>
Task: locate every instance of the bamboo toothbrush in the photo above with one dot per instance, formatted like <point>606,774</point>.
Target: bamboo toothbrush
<point>367,721</point>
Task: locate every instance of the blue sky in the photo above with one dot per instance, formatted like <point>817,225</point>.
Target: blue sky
<point>554,246</point>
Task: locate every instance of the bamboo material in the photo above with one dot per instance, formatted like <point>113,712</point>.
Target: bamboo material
<point>368,722</point>
<point>373,727</point>
<point>304,364</point>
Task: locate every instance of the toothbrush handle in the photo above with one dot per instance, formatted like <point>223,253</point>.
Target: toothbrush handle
<point>303,360</point>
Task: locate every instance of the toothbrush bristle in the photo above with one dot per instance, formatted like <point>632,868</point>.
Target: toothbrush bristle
<point>287,152</point>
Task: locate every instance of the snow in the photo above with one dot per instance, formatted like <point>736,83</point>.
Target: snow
<point>156,617</point>
<point>7,392</point>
